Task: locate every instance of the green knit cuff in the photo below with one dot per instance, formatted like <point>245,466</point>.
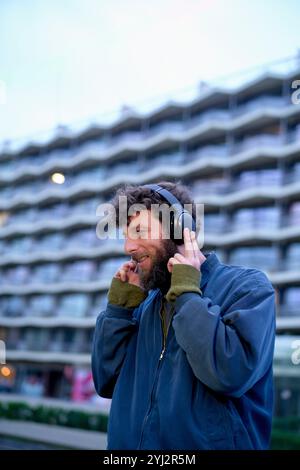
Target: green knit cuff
<point>125,294</point>
<point>185,278</point>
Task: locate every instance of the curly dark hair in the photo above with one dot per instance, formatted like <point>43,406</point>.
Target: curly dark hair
<point>139,194</point>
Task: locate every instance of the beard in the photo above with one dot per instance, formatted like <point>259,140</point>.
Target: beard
<point>159,276</point>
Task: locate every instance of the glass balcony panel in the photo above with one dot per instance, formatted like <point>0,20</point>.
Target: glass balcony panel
<point>109,267</point>
<point>12,306</point>
<point>41,306</point>
<point>45,273</point>
<point>18,275</point>
<point>214,223</point>
<point>264,258</point>
<point>73,305</point>
<point>210,186</point>
<point>20,245</point>
<point>79,271</point>
<point>50,242</point>
<point>294,214</point>
<point>85,238</point>
<point>291,304</point>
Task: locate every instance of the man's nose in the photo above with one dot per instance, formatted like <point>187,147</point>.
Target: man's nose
<point>130,246</point>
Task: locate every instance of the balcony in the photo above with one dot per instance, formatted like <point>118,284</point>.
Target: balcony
<point>265,258</point>
<point>260,102</point>
<point>211,115</point>
<point>259,141</point>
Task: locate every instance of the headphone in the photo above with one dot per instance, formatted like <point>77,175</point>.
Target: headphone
<point>180,218</point>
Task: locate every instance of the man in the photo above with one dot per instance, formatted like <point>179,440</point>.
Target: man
<point>185,345</point>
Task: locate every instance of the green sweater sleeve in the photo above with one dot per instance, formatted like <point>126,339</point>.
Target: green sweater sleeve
<point>185,278</point>
<point>125,294</point>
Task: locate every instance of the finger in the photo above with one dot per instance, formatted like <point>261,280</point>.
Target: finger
<point>134,278</point>
<point>123,275</point>
<point>195,243</point>
<point>189,251</point>
<point>180,257</point>
<point>128,265</point>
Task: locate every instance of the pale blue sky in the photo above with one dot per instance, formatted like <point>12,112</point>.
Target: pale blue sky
<point>66,61</point>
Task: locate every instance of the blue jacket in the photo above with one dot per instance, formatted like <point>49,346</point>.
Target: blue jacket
<point>213,389</point>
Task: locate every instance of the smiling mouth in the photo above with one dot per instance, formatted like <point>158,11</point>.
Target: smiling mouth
<point>141,259</point>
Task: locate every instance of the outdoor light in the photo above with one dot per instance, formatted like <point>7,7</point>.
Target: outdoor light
<point>58,178</point>
<point>5,371</point>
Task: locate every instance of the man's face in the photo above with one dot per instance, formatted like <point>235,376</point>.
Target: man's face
<point>145,243</point>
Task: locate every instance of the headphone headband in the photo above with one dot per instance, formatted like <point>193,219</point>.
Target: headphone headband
<point>182,219</point>
<point>167,195</point>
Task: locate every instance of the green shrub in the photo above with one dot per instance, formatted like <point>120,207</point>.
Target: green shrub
<point>50,415</point>
<point>285,440</point>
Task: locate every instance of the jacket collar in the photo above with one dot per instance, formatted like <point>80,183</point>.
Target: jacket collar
<point>207,267</point>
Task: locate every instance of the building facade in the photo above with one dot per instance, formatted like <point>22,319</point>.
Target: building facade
<point>239,153</point>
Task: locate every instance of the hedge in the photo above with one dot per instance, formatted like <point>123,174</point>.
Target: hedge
<point>50,415</point>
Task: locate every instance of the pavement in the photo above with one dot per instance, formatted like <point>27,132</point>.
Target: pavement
<point>68,438</point>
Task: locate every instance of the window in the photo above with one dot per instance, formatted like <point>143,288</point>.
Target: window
<point>94,175</point>
<point>12,306</point>
<point>19,275</point>
<point>264,257</point>
<point>68,339</point>
<point>73,305</point>
<point>24,216</point>
<point>79,271</point>
<point>217,185</point>
<point>261,178</point>
<point>20,245</point>
<point>50,242</point>
<point>291,302</point>
<point>7,167</point>
<point>109,267</point>
<point>293,256</point>
<point>36,339</point>
<point>262,217</point>
<point>294,213</point>
<point>2,247</point>
<point>85,206</point>
<point>214,223</point>
<point>13,338</point>
<point>85,238</point>
<point>41,305</point>
<point>46,273</point>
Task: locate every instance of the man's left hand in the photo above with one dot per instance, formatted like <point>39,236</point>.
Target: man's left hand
<point>188,253</point>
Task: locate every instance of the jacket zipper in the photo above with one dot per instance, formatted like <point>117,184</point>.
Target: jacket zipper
<point>165,332</point>
<point>164,345</point>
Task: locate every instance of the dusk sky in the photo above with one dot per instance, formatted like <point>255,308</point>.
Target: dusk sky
<point>71,62</point>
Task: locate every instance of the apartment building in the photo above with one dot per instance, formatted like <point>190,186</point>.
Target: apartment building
<point>238,151</point>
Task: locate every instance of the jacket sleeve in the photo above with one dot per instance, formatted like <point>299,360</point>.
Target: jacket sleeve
<point>229,351</point>
<point>114,328</point>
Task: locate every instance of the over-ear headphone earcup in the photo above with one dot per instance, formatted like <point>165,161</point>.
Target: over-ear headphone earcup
<point>180,222</point>
<point>186,220</point>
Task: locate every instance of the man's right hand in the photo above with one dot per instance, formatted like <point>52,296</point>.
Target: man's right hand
<point>126,273</point>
